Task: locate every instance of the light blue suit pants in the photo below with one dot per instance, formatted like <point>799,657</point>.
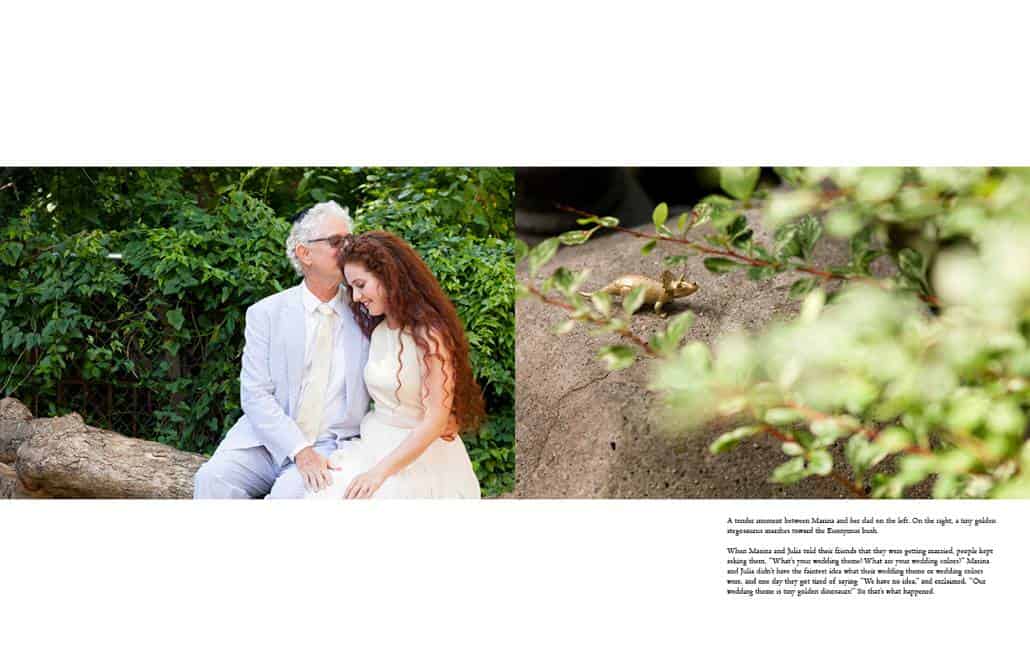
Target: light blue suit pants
<point>250,474</point>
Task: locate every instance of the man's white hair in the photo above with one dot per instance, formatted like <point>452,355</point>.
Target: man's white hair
<point>307,227</point>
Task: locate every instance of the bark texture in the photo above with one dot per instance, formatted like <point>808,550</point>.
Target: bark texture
<point>12,488</point>
<point>15,428</point>
<point>64,457</point>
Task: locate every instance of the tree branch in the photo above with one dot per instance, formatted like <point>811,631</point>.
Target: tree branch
<point>627,335</point>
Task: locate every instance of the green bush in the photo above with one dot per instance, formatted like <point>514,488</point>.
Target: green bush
<point>917,371</point>
<point>122,291</point>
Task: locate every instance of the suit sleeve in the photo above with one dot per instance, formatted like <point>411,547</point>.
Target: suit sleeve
<point>278,432</point>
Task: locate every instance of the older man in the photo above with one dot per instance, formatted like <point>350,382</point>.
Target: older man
<point>301,387</point>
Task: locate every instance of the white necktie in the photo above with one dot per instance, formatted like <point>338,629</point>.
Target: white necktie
<point>312,407</point>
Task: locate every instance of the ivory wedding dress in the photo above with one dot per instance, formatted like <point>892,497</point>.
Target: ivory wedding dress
<point>442,471</point>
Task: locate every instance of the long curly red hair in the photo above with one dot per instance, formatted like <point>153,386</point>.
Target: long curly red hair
<point>417,301</point>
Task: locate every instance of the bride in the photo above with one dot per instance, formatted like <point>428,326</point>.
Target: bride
<point>418,374</point>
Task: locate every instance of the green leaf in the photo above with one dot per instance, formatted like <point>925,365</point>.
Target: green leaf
<point>793,176</point>
<point>660,214</point>
<point>659,342</point>
<point>648,246</point>
<point>682,223</point>
<point>820,462</point>
<point>894,439</point>
<point>176,319</point>
<point>521,250</point>
<point>615,326</point>
<point>792,448</point>
<point>843,222</point>
<point>913,266</point>
<point>783,207</point>
<point>728,440</point>
<point>789,472</point>
<point>737,226</point>
<point>809,231</point>
<point>678,327</point>
<point>576,237</point>
<point>782,416</point>
<point>10,252</point>
<point>786,242</point>
<point>676,260</point>
<point>722,265</point>
<point>946,486</point>
<point>718,200</point>
<point>564,280</point>
<point>634,299</point>
<point>862,455</point>
<point>603,302</point>
<point>829,429</point>
<point>739,182</point>
<point>564,327</point>
<point>617,357</point>
<point>801,287</point>
<point>812,306</point>
<point>608,221</point>
<point>878,183</point>
<point>541,254</point>
<point>757,273</point>
<point>742,239</point>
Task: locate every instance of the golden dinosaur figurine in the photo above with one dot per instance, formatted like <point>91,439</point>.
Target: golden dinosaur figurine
<point>655,292</point>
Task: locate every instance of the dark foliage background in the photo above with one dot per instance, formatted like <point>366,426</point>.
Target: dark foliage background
<point>123,290</point>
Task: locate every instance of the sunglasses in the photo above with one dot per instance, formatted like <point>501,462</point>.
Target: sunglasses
<point>336,240</point>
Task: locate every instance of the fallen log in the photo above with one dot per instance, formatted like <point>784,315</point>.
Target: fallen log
<point>12,488</point>
<point>64,457</point>
<point>15,428</point>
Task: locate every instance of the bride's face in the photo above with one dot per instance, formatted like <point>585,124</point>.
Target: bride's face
<point>365,289</point>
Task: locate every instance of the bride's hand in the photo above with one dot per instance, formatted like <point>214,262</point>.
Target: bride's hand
<point>365,485</point>
<point>451,430</point>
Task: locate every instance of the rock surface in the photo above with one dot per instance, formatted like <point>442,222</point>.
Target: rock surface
<point>584,432</point>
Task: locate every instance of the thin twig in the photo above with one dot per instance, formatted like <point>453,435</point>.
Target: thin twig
<point>626,334</point>
<point>815,415</point>
<point>826,276</point>
<point>853,487</point>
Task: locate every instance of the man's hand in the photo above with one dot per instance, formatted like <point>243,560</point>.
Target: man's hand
<point>314,469</point>
<point>450,430</point>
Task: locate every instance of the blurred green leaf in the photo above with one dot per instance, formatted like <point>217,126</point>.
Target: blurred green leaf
<point>575,237</point>
<point>542,253</point>
<point>660,214</point>
<point>722,265</point>
<point>729,440</point>
<point>634,299</point>
<point>739,182</point>
<point>617,357</point>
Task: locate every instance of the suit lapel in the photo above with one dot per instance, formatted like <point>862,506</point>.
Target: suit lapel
<point>293,326</point>
<point>354,368</point>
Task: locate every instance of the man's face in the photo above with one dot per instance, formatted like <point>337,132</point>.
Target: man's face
<point>319,257</point>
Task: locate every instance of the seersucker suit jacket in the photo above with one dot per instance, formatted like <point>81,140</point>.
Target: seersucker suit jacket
<point>273,366</point>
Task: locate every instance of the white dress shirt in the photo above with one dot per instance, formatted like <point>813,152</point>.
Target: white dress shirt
<point>336,390</point>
